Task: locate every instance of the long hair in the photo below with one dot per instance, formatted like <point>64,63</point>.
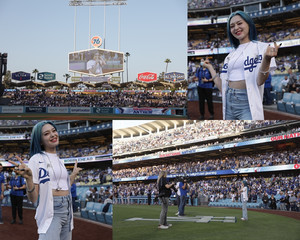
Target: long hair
<point>252,29</point>
<point>36,137</point>
<point>160,175</point>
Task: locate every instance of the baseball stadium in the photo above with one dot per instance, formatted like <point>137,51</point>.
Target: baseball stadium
<point>86,142</point>
<point>85,92</point>
<point>213,158</point>
<point>275,21</point>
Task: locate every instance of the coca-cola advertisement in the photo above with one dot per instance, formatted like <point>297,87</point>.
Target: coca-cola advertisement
<point>147,77</point>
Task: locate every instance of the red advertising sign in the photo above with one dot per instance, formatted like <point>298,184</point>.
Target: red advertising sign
<point>147,77</point>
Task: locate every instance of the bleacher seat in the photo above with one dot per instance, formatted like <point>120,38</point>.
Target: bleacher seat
<point>97,208</point>
<point>291,106</point>
<point>84,211</point>
<point>281,105</point>
<point>109,215</point>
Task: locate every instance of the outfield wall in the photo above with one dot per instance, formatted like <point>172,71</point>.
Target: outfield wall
<point>95,110</point>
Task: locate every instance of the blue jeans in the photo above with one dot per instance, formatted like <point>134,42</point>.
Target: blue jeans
<point>182,204</point>
<point>237,105</point>
<point>60,227</point>
<point>244,208</point>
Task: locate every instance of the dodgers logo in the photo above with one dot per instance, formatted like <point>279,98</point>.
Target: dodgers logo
<point>225,67</point>
<point>43,175</point>
<point>251,63</point>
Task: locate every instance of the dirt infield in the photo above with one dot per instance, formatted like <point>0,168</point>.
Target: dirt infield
<point>83,229</point>
<point>290,214</point>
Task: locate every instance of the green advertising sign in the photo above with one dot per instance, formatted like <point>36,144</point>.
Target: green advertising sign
<point>46,76</point>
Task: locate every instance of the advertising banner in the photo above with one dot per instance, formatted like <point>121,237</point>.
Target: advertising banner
<point>58,109</point>
<point>12,109</point>
<point>103,110</point>
<point>75,79</point>
<point>95,79</point>
<point>46,76</point>
<point>20,76</point>
<point>174,77</point>
<point>80,110</point>
<point>137,111</point>
<point>35,109</point>
<point>147,77</point>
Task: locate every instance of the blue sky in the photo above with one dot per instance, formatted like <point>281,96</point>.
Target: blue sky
<point>40,34</point>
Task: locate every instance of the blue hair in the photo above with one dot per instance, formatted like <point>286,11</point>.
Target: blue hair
<point>252,29</point>
<point>36,137</point>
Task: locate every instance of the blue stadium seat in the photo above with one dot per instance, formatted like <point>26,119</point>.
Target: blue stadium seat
<point>92,213</point>
<point>109,215</point>
<point>291,106</point>
<point>281,104</point>
<point>84,211</point>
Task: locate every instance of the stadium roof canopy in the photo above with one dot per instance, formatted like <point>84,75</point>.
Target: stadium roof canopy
<point>148,128</point>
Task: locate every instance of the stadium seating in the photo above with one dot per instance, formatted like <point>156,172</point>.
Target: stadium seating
<point>92,213</point>
<point>281,105</point>
<point>291,105</point>
<point>89,207</point>
<point>109,215</point>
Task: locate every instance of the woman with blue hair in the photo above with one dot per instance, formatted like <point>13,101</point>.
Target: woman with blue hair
<point>48,181</point>
<point>245,70</point>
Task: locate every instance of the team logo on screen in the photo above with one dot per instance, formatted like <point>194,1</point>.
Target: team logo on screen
<point>96,41</point>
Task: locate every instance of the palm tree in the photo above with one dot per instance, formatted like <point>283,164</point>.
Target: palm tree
<point>35,71</point>
<point>167,61</point>
<point>67,76</point>
<point>127,54</point>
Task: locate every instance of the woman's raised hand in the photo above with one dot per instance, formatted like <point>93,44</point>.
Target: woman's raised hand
<point>21,169</point>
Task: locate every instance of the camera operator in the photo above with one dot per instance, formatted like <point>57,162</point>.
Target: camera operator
<point>183,187</point>
<point>164,193</point>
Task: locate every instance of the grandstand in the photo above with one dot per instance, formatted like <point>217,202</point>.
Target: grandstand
<point>87,142</point>
<point>265,149</point>
<point>215,156</point>
<point>275,21</point>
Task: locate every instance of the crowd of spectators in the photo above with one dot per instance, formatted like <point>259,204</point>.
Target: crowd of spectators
<point>286,190</point>
<point>113,99</point>
<point>196,132</point>
<point>63,152</point>
<point>234,162</point>
<point>198,4</point>
<point>94,194</point>
<point>265,36</point>
<point>10,123</point>
<point>94,177</point>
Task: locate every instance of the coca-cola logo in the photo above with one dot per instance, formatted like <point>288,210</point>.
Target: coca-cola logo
<point>147,77</point>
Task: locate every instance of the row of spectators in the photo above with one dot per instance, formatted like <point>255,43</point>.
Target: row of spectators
<point>94,176</point>
<point>198,4</point>
<point>234,162</point>
<point>115,99</point>
<point>266,36</point>
<point>94,194</point>
<point>197,131</point>
<point>66,152</point>
<point>18,122</point>
<point>286,190</point>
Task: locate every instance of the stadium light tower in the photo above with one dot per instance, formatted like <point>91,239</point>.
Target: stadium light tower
<point>91,3</point>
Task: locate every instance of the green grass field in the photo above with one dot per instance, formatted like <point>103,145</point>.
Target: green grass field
<point>260,225</point>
